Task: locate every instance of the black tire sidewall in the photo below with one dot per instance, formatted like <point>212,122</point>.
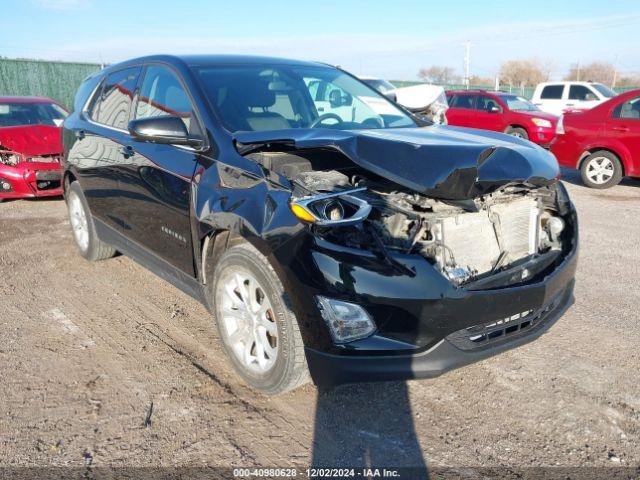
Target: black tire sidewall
<point>243,258</point>
<point>617,170</point>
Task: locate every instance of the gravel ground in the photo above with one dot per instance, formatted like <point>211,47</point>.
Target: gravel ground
<point>104,364</point>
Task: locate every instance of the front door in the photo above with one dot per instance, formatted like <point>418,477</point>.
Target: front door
<point>157,179</point>
<point>489,114</point>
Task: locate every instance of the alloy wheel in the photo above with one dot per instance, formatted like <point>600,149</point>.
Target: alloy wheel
<point>78,219</point>
<point>248,321</point>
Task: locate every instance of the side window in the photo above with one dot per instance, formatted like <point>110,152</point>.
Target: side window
<point>552,92</point>
<point>112,106</point>
<point>463,101</point>
<point>580,92</point>
<point>628,110</point>
<point>163,94</point>
<point>486,103</point>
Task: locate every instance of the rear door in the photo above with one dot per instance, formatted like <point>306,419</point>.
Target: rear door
<point>97,150</point>
<point>156,179</point>
<point>461,110</point>
<point>624,126</point>
<point>486,117</point>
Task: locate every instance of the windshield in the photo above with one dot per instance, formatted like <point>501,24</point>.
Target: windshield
<point>518,104</point>
<point>605,91</point>
<point>381,85</point>
<point>263,98</point>
<point>18,114</point>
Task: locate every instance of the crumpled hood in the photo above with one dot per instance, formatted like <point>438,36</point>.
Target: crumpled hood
<point>450,163</point>
<point>32,140</point>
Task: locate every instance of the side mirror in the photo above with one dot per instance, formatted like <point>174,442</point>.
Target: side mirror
<point>168,129</point>
<point>494,109</point>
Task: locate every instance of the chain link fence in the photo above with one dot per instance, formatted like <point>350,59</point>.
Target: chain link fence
<point>56,80</point>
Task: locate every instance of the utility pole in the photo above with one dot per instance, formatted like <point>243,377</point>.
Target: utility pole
<point>467,59</point>
<point>578,71</point>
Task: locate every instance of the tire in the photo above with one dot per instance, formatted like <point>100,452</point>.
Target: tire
<point>517,132</point>
<point>601,169</point>
<point>266,331</point>
<point>83,228</point>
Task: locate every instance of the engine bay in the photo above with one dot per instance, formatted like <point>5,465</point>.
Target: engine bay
<point>467,240</point>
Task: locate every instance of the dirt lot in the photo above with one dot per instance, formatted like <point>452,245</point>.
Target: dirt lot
<point>87,349</point>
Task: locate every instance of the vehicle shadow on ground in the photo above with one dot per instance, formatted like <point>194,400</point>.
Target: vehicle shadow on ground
<point>572,176</point>
<point>367,426</point>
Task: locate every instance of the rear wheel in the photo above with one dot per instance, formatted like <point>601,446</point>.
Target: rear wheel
<point>601,169</point>
<point>517,132</point>
<point>257,327</point>
<point>84,231</point>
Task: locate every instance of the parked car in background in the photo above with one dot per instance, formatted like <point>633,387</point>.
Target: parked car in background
<point>557,97</point>
<point>426,100</point>
<point>603,143</point>
<point>381,248</point>
<point>30,147</point>
<point>501,112</point>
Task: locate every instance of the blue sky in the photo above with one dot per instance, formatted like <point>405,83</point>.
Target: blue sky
<point>391,39</point>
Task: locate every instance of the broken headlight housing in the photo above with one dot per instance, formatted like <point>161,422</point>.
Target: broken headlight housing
<point>332,209</point>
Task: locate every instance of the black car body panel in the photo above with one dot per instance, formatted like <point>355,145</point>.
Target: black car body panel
<point>175,208</point>
<point>443,162</point>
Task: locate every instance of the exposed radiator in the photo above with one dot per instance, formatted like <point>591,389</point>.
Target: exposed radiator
<point>472,241</point>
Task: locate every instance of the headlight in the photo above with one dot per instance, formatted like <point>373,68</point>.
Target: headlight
<point>346,321</point>
<point>541,122</point>
<point>560,126</point>
<point>331,209</point>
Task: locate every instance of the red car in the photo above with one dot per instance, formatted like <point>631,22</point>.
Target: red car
<point>501,112</point>
<point>604,142</point>
<point>30,147</point>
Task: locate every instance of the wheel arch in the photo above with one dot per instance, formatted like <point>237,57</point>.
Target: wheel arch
<point>592,150</point>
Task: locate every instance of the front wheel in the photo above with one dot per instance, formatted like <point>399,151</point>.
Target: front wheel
<point>601,169</point>
<point>257,327</point>
<point>517,132</point>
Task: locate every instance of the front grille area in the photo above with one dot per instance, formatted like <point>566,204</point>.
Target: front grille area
<point>472,238</point>
<point>483,335</point>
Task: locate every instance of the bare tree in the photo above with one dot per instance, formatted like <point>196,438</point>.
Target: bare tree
<point>628,81</point>
<point>522,73</point>
<point>602,72</point>
<point>437,74</point>
<point>477,80</point>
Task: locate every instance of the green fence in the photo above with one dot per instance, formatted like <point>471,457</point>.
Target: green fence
<point>56,80</point>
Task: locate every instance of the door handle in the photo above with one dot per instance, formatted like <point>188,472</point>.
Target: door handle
<point>80,134</point>
<point>570,104</point>
<point>126,151</point>
<point>621,129</point>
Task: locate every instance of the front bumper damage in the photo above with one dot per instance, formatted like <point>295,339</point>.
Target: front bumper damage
<point>31,179</point>
<point>425,325</point>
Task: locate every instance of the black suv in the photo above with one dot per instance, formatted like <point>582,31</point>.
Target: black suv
<point>328,230</point>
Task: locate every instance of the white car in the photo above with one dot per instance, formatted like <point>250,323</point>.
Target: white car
<point>557,97</point>
<point>427,100</point>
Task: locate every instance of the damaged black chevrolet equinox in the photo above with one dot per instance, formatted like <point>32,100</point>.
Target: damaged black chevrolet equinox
<point>330,232</point>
